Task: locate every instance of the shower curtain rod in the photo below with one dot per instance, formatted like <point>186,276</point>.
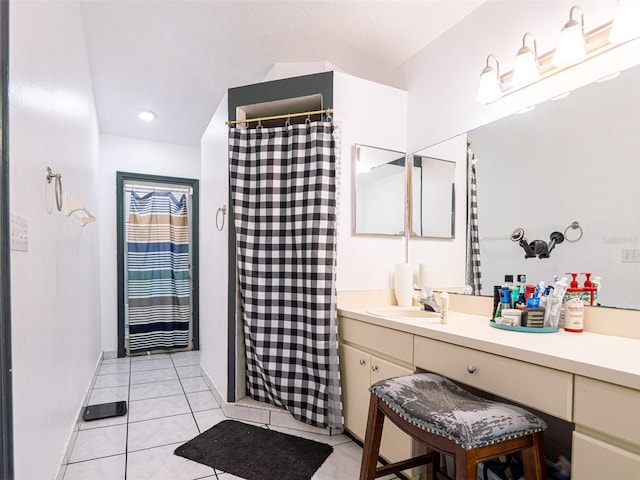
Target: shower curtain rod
<point>276,117</point>
<point>151,188</point>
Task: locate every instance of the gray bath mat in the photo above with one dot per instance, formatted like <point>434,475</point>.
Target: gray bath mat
<point>255,453</point>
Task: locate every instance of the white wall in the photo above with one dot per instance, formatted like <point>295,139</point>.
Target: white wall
<point>442,80</point>
<point>370,114</point>
<point>136,156</point>
<point>55,285</point>
<point>214,249</point>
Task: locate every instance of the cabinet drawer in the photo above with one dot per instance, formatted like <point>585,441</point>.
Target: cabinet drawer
<point>593,459</point>
<point>387,341</point>
<point>608,408</point>
<point>548,390</point>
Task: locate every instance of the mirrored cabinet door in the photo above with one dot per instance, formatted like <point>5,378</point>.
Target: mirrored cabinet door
<point>433,190</point>
<point>379,191</point>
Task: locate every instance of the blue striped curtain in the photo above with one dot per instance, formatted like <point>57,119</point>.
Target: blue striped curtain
<point>158,272</point>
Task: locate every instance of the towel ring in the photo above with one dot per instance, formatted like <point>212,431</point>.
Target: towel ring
<point>573,226</point>
<point>222,209</point>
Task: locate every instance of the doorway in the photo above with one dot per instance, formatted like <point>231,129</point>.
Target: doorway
<point>158,300</point>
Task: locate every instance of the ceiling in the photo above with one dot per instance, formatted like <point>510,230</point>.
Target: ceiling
<point>178,58</point>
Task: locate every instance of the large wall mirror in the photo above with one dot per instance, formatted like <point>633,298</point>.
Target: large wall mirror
<point>575,159</point>
<point>380,193</point>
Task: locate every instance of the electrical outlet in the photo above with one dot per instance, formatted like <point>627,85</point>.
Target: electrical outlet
<point>631,255</point>
<point>19,233</point>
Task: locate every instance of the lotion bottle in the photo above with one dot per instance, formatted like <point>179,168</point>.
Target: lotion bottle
<point>574,315</point>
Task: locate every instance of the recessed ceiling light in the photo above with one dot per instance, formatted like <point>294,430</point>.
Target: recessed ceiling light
<point>146,115</point>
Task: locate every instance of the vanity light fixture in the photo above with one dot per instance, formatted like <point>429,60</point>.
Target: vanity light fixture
<point>574,46</point>
<point>490,88</point>
<point>147,116</point>
<point>525,68</point>
<point>626,24</point>
<point>571,47</point>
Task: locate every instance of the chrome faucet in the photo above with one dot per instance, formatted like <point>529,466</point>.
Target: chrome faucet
<point>428,301</point>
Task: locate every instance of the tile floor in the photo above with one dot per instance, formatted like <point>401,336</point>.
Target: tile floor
<point>168,404</point>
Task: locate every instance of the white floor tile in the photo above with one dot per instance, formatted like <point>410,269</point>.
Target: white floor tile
<point>150,376</point>
<point>161,431</point>
<point>108,468</point>
<point>99,442</point>
<point>147,358</point>
<point>185,360</point>
<point>158,407</point>
<point>194,384</point>
<point>199,401</point>
<point>188,353</point>
<point>117,361</point>
<point>208,418</point>
<point>143,391</point>
<point>111,380</point>
<point>152,365</point>
<point>110,394</point>
<point>344,462</point>
<point>105,422</point>
<point>189,371</point>
<point>328,439</point>
<point>161,464</point>
<point>112,368</point>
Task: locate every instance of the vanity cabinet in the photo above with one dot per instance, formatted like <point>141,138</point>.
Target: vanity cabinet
<point>361,366</point>
<point>546,389</point>
<point>604,408</point>
<point>607,429</point>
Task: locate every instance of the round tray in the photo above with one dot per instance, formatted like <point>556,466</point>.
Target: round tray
<point>493,323</point>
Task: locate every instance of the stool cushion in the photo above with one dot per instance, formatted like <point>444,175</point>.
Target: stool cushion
<point>435,404</point>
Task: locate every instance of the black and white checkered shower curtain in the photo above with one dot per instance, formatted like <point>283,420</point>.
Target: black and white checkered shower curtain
<point>283,185</point>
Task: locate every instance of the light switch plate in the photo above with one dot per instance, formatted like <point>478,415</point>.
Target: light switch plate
<point>19,233</point>
<point>631,255</point>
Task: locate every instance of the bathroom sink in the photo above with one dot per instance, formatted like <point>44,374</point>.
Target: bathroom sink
<point>402,312</point>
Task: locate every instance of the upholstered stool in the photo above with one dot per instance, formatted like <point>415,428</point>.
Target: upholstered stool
<point>450,420</point>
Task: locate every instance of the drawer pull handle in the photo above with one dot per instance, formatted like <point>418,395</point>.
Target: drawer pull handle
<point>362,362</point>
<point>374,368</point>
<point>471,369</point>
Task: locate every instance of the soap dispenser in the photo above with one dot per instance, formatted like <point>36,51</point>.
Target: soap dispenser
<point>574,283</point>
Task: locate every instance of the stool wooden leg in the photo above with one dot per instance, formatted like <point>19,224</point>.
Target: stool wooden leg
<point>372,439</point>
<point>434,466</point>
<point>535,467</point>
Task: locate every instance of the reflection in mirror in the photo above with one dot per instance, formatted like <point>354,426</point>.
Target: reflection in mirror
<point>432,197</point>
<point>571,160</point>
<point>379,191</point>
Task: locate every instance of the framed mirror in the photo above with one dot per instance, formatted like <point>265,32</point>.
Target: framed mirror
<point>379,191</point>
<point>433,193</point>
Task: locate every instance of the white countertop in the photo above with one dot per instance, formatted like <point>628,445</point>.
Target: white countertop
<point>603,357</point>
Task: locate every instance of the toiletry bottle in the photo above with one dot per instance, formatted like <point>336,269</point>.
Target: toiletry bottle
<point>596,285</point>
<point>505,301</point>
<point>444,314</point>
<point>496,300</point>
<point>589,290</point>
<point>574,315</point>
